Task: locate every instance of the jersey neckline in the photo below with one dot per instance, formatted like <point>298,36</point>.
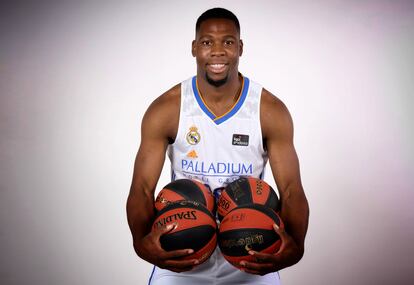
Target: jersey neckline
<point>230,113</point>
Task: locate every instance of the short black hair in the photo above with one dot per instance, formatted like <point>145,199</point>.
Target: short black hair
<point>217,13</point>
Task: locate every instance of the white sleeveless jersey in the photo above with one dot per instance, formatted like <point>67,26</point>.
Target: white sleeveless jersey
<point>218,150</point>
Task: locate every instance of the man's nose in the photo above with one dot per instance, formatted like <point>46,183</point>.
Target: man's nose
<point>217,50</point>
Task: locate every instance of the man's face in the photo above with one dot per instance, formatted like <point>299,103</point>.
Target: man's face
<point>217,49</point>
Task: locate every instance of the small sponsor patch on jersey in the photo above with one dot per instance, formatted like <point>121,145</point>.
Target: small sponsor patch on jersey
<point>192,154</point>
<point>242,140</point>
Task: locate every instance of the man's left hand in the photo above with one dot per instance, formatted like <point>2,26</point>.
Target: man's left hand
<point>288,254</point>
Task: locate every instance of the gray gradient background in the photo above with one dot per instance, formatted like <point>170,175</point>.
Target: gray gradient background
<point>76,79</point>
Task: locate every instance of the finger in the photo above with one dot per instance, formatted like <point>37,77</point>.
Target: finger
<point>280,231</point>
<point>283,237</point>
<point>155,235</point>
<point>179,270</point>
<point>158,232</point>
<point>256,266</point>
<point>262,257</point>
<point>181,264</point>
<point>168,228</point>
<point>172,259</point>
<point>177,253</point>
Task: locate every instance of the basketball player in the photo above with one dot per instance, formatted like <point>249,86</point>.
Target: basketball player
<point>217,126</point>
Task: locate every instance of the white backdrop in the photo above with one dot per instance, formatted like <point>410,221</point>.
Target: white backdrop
<point>76,79</point>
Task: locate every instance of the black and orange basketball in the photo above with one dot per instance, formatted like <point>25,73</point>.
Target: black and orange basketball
<point>248,228</point>
<point>246,191</point>
<point>196,229</point>
<point>185,189</point>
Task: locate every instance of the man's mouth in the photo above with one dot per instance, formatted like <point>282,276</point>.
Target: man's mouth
<point>217,67</point>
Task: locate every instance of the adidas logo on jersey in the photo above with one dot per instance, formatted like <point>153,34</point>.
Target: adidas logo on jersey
<point>192,154</point>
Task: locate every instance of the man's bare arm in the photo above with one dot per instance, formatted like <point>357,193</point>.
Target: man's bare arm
<point>158,127</point>
<point>285,168</point>
<point>277,129</point>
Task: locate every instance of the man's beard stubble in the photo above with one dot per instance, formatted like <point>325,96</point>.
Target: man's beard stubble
<point>216,83</point>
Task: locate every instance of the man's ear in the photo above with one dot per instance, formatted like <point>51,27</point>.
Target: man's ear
<point>240,48</point>
<point>193,48</point>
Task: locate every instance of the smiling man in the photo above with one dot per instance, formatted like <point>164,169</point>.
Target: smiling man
<point>217,126</point>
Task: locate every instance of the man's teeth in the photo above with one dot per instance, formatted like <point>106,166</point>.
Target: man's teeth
<point>217,65</point>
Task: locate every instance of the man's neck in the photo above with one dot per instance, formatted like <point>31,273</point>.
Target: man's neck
<point>220,99</point>
<point>215,94</point>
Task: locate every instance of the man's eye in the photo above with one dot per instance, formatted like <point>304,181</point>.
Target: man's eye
<point>229,42</point>
<point>206,43</point>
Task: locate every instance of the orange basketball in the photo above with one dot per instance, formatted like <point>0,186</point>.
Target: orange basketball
<point>248,228</point>
<point>185,189</point>
<point>246,191</point>
<point>196,229</point>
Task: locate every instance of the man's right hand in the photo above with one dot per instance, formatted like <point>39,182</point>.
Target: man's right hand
<point>149,248</point>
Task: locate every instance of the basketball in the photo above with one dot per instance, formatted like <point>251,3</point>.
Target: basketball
<point>196,229</point>
<point>248,228</point>
<point>246,191</point>
<point>185,189</point>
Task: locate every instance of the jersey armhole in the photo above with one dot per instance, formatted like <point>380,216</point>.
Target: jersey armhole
<point>179,127</point>
<point>259,120</point>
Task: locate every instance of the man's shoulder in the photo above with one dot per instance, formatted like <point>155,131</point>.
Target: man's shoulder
<point>170,96</point>
<point>271,101</point>
<point>267,97</point>
<point>168,101</point>
<point>162,115</point>
<point>274,115</point>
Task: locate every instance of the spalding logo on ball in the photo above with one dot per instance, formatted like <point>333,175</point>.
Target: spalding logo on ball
<point>196,229</point>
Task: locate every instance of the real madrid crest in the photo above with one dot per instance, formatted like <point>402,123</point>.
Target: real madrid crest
<point>193,136</point>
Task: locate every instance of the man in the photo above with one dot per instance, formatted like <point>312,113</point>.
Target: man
<point>218,117</point>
